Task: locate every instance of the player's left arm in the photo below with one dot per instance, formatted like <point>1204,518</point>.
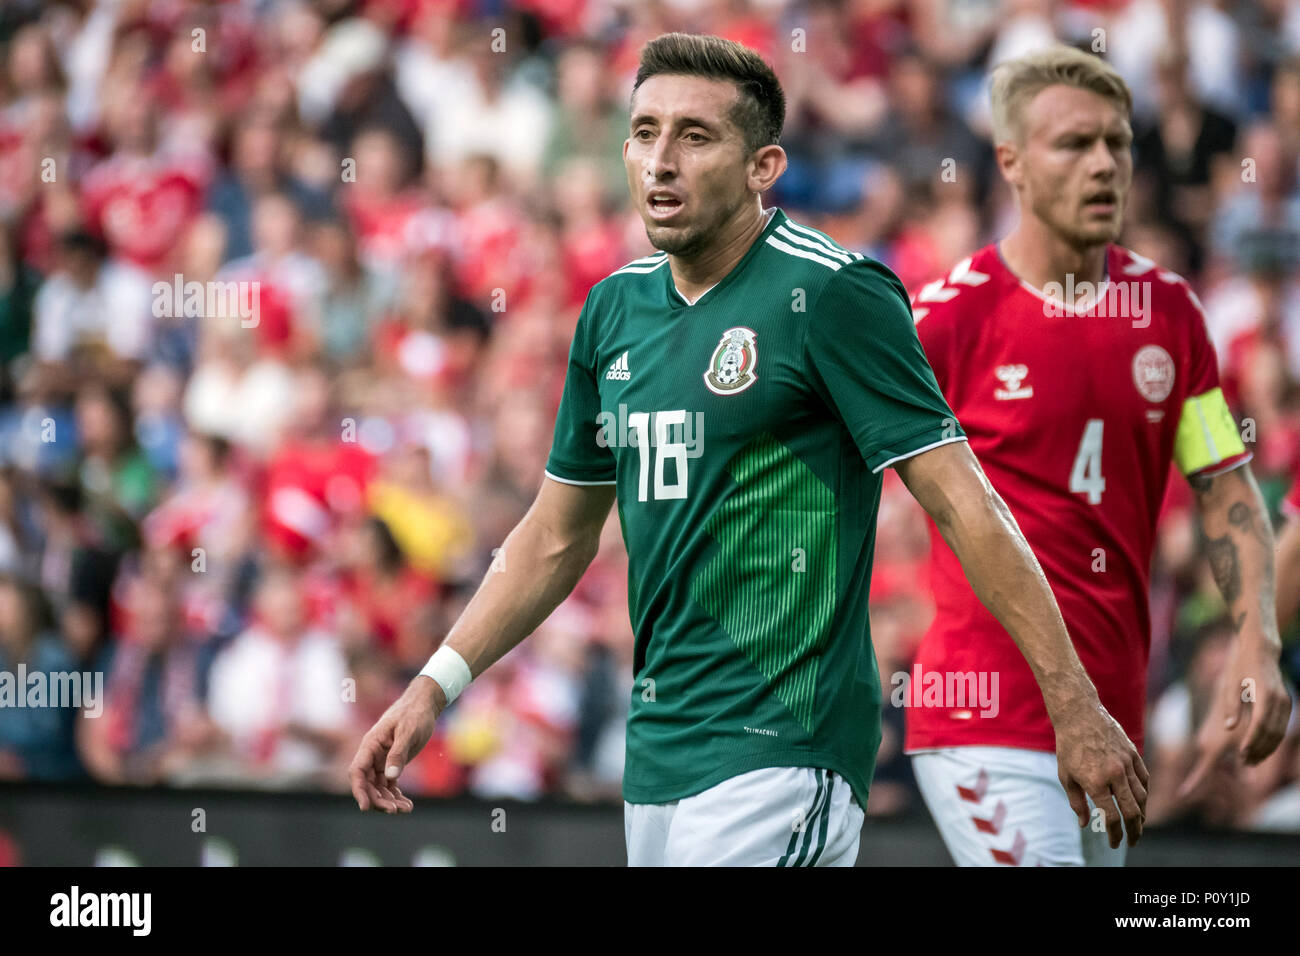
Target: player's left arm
<point>1253,706</point>
<point>1094,754</point>
<point>867,363</point>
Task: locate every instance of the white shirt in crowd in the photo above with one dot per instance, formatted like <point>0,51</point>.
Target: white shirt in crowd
<point>260,684</point>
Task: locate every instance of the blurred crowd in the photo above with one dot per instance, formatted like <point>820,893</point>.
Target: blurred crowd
<point>259,531</point>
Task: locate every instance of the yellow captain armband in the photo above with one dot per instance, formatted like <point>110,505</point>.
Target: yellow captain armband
<point>1207,434</point>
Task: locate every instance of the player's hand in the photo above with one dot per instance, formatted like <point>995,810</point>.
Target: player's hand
<point>1249,717</point>
<point>389,745</point>
<point>1096,759</point>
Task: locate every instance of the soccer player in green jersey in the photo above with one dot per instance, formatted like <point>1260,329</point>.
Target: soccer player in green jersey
<point>738,394</point>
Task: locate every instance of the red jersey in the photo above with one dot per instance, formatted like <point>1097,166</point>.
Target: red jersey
<point>1075,418</point>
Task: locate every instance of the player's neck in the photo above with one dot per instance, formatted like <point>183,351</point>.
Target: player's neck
<point>693,277</point>
<point>1040,257</point>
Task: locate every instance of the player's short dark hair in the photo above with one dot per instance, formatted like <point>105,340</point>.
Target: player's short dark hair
<point>759,112</point>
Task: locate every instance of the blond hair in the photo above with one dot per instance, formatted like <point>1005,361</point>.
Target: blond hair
<point>1016,82</point>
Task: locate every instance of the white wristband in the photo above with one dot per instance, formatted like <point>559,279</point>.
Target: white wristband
<point>449,670</point>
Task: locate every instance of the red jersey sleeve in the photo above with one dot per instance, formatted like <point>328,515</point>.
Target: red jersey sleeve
<point>933,316</point>
<point>1203,366</point>
<point>1208,440</point>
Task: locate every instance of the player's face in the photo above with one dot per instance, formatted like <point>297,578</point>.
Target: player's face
<point>686,161</point>
<point>1075,165</point>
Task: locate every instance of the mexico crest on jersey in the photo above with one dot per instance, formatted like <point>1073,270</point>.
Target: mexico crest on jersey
<point>731,367</point>
<point>1153,373</point>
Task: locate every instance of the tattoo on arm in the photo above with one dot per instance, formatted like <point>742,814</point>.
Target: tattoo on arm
<point>1226,565</point>
<point>1245,521</point>
<point>1201,483</point>
<point>1242,515</point>
<point>1250,520</point>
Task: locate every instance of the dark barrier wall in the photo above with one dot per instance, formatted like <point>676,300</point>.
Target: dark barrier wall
<point>43,825</point>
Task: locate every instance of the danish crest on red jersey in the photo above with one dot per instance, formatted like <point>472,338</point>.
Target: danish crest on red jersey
<point>733,363</point>
<point>1153,373</point>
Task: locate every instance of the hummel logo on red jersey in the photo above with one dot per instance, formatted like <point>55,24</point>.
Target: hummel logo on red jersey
<point>1011,376</point>
<point>619,371</point>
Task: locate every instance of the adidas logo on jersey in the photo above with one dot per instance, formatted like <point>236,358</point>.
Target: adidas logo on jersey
<point>619,371</point>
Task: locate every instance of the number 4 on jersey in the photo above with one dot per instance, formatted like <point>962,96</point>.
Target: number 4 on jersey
<point>1085,475</point>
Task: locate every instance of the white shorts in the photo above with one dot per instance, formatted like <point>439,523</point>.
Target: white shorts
<point>775,816</point>
<point>1006,806</point>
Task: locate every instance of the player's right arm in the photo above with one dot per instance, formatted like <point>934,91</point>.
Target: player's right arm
<point>539,564</point>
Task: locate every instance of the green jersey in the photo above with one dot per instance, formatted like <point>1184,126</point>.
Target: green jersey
<point>745,435</point>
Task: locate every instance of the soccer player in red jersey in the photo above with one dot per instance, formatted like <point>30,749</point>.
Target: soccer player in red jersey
<point>1080,371</point>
